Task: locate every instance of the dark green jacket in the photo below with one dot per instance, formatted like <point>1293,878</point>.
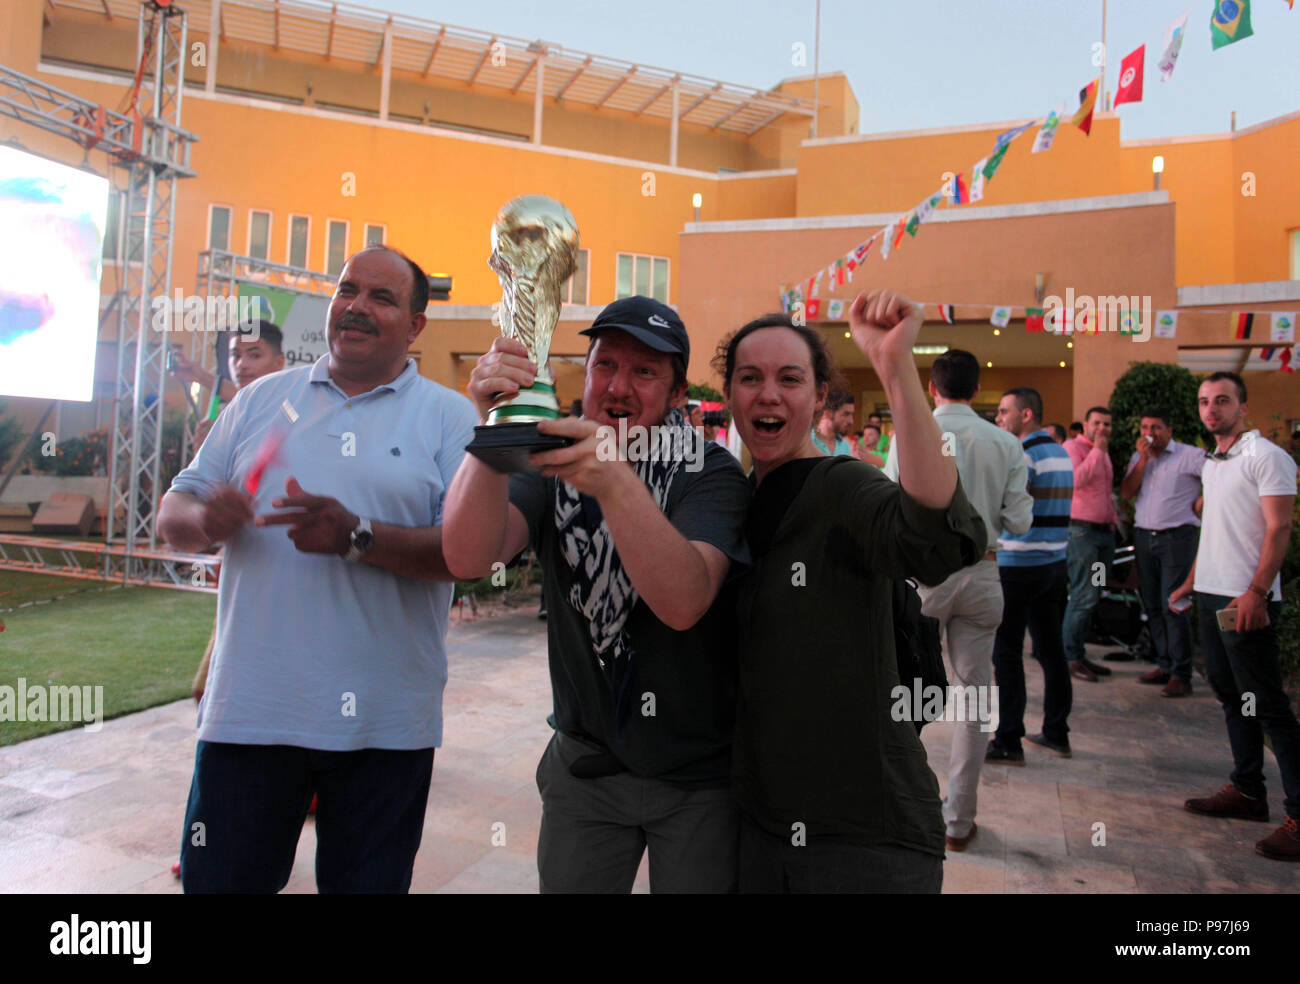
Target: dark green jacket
<point>815,741</point>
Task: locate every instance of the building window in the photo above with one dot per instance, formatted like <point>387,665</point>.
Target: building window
<point>575,288</point>
<point>259,234</point>
<point>299,241</point>
<point>219,227</point>
<point>1295,254</point>
<point>375,234</point>
<point>336,246</point>
<point>646,275</point>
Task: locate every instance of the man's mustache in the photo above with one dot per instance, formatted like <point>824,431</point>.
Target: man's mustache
<point>357,322</point>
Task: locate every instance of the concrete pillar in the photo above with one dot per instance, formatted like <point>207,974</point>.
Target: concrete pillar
<point>386,67</point>
<point>214,41</point>
<point>537,99</point>
<point>672,131</point>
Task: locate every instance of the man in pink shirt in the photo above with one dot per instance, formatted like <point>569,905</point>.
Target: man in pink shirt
<point>1092,536</point>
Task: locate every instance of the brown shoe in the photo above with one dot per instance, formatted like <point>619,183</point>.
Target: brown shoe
<point>1176,688</point>
<point>1081,672</point>
<point>959,843</point>
<point>1230,803</point>
<point>1156,676</point>
<point>1282,844</point>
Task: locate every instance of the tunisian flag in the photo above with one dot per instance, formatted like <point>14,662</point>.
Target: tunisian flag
<point>1130,77</point>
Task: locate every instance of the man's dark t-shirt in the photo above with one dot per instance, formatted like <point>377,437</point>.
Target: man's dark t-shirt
<point>691,675</point>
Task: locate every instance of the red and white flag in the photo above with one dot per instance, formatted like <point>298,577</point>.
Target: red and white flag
<point>1130,77</point>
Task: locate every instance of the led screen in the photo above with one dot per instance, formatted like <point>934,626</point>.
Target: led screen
<point>51,246</point>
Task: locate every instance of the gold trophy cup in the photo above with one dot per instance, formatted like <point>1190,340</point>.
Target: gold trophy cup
<point>534,250</point>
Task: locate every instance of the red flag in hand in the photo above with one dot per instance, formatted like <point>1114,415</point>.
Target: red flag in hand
<point>265,455</point>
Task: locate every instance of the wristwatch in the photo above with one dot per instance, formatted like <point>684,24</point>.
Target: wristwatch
<point>362,540</point>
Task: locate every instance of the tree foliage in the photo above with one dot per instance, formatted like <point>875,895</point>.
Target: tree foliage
<point>703,391</point>
<point>1152,387</point>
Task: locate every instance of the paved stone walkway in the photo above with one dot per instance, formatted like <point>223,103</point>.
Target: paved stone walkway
<point>83,812</point>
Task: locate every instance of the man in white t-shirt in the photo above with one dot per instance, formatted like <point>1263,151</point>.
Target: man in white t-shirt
<point>1250,489</point>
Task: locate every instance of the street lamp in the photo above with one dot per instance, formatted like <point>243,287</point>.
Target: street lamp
<point>697,200</point>
<point>1157,168</point>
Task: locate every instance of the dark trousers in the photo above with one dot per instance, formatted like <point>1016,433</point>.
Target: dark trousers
<point>594,831</point>
<point>1242,666</point>
<point>1164,559</point>
<point>248,802</point>
<point>771,865</point>
<point>1031,598</point>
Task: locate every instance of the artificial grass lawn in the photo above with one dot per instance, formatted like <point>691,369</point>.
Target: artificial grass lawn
<point>142,645</point>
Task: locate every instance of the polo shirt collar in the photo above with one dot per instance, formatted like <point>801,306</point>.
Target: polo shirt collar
<point>320,373</point>
<point>957,409</point>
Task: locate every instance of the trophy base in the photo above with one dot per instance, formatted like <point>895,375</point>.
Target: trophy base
<point>505,447</point>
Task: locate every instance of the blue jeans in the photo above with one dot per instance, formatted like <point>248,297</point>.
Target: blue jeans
<point>1244,664</point>
<point>1087,548</point>
<point>248,802</point>
<point>1164,559</point>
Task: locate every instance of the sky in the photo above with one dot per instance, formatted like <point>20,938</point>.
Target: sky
<point>922,64</point>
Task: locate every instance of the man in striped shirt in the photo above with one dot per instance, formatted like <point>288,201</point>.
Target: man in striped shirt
<point>1031,567</point>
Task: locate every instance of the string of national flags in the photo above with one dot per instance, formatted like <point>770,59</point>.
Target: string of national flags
<point>1229,23</point>
<point>1124,321</point>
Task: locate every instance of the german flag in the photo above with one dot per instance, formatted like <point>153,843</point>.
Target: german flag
<point>1087,102</point>
<point>1244,320</point>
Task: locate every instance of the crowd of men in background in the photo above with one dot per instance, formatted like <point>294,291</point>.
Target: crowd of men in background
<point>1213,524</point>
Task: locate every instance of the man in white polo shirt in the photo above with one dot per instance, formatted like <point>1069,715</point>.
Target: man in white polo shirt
<point>992,467</point>
<point>329,665</point>
<point>1250,488</point>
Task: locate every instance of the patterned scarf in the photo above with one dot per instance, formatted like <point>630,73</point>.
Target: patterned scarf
<point>601,590</point>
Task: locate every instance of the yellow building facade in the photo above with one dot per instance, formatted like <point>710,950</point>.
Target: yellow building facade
<point>322,126</point>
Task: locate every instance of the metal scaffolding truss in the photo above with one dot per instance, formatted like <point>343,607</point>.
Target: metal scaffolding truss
<point>149,218</point>
<point>219,270</point>
<point>90,559</point>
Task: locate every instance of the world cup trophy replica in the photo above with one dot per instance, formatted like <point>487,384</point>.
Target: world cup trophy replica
<point>534,251</point>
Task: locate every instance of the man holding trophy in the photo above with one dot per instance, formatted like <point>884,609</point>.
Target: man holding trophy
<point>634,549</point>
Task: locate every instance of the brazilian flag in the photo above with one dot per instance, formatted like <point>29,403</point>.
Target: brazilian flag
<point>1230,22</point>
